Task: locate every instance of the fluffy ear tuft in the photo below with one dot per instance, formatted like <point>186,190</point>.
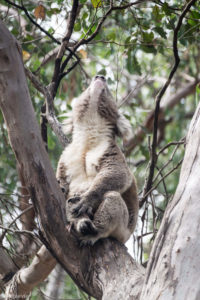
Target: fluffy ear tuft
<point>124,129</point>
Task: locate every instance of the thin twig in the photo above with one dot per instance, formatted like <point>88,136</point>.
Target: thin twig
<point>19,231</point>
<point>22,7</point>
<point>13,221</point>
<point>138,86</point>
<point>182,141</point>
<point>163,181</point>
<point>166,164</point>
<point>153,160</point>
<point>164,176</point>
<point>128,5</point>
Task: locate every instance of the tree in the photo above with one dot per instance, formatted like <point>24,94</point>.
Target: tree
<point>100,270</point>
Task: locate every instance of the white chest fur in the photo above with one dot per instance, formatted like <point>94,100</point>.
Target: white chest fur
<point>82,156</point>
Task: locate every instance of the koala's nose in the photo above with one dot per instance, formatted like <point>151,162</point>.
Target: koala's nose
<point>100,76</point>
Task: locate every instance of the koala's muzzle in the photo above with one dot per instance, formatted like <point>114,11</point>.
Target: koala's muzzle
<point>100,77</point>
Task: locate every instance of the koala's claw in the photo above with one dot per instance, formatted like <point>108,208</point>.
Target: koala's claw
<point>85,243</point>
<point>74,200</point>
<point>88,228</point>
<point>83,209</point>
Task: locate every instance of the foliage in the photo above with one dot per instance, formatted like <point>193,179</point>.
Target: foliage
<point>134,50</point>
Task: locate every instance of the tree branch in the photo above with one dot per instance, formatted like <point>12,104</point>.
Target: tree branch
<point>55,125</point>
<point>158,99</point>
<point>57,69</point>
<point>167,103</point>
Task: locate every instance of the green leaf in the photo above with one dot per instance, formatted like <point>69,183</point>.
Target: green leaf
<point>52,11</point>
<point>192,22</point>
<point>85,15</point>
<point>171,24</point>
<point>51,30</point>
<point>149,49</point>
<point>127,40</point>
<point>198,88</point>
<point>144,151</point>
<point>147,37</point>
<point>195,14</point>
<point>111,36</point>
<point>36,64</point>
<point>102,72</point>
<point>77,26</point>
<point>136,66</point>
<point>160,31</point>
<point>96,3</point>
<point>197,94</point>
<point>166,9</point>
<point>157,15</point>
<point>133,64</point>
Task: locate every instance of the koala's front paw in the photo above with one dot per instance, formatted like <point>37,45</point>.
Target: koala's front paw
<point>74,200</point>
<point>86,227</point>
<point>82,209</point>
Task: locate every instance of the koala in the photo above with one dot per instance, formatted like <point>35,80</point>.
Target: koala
<point>101,192</point>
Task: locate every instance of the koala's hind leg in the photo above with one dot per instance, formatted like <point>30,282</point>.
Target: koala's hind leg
<point>110,219</point>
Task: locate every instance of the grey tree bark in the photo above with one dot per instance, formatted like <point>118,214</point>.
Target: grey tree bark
<point>105,271</point>
<point>173,270</point>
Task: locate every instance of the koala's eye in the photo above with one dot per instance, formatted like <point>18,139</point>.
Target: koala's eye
<point>102,77</point>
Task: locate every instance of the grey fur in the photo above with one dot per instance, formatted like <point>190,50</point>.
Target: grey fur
<point>101,192</point>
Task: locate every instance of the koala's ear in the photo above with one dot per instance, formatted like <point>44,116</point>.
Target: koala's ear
<point>124,129</point>
<point>67,125</point>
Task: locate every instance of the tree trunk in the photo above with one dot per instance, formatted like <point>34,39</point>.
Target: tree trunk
<point>101,270</point>
<point>173,269</point>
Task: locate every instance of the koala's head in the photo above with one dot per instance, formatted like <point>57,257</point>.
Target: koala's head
<point>98,98</point>
<point>107,107</point>
<point>98,86</point>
